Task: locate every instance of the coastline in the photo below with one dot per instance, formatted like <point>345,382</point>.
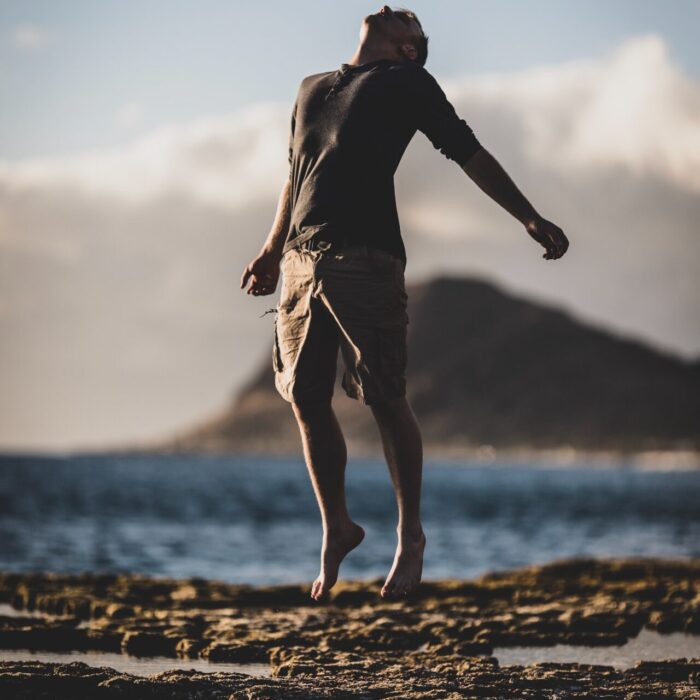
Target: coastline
<point>485,455</point>
<point>465,456</point>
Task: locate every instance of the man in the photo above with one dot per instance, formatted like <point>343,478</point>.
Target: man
<point>336,233</point>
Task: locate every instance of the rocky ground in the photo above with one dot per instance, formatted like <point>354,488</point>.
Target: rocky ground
<point>437,644</point>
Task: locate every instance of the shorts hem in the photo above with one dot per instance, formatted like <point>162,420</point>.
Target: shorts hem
<point>307,398</point>
<point>372,400</point>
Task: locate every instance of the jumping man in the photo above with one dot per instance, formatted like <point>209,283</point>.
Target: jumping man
<point>336,240</point>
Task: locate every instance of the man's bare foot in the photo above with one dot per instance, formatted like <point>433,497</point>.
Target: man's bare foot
<point>336,544</point>
<point>407,569</point>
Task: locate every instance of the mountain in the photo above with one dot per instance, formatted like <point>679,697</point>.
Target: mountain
<point>487,369</point>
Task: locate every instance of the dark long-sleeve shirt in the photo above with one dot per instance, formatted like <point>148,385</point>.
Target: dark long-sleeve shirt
<point>349,130</point>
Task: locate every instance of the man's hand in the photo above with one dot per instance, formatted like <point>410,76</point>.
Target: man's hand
<point>264,272</point>
<point>549,236</point>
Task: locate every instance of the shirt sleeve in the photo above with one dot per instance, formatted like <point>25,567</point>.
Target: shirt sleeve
<point>437,119</point>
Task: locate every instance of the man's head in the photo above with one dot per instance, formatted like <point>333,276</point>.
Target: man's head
<point>399,30</point>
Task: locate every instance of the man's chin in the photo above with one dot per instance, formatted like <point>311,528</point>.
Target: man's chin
<point>373,23</point>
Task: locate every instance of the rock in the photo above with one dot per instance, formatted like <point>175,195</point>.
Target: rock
<point>189,648</point>
<point>242,653</point>
<point>119,612</point>
<point>45,637</point>
<point>436,644</point>
<point>149,644</point>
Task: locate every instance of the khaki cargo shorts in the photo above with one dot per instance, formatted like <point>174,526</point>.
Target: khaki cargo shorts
<point>353,299</point>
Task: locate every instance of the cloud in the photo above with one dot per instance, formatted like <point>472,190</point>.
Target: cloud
<point>225,161</point>
<point>633,110</point>
<point>121,315</point>
<point>29,37</point>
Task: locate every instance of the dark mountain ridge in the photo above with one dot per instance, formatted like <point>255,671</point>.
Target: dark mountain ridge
<point>487,368</point>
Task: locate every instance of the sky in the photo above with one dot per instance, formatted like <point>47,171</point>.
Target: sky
<point>143,146</point>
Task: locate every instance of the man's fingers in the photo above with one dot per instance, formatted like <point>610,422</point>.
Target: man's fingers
<point>254,281</point>
<point>549,245</point>
<point>244,277</point>
<point>258,287</point>
<point>259,277</point>
<point>557,243</point>
<point>257,281</point>
<point>560,246</point>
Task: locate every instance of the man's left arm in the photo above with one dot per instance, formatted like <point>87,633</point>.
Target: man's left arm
<point>488,174</point>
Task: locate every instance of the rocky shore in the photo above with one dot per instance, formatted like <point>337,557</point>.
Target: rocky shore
<point>437,644</point>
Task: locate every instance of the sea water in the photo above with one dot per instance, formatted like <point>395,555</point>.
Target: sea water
<point>255,519</point>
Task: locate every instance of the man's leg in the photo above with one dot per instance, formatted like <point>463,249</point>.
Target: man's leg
<point>305,358</point>
<point>403,449</point>
<point>364,290</point>
<point>326,455</point>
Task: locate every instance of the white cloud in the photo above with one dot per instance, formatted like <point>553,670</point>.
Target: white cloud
<point>29,37</point>
<point>121,314</point>
<point>224,161</point>
<point>633,109</point>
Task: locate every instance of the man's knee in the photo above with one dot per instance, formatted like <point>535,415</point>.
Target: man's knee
<point>309,407</point>
<point>387,407</point>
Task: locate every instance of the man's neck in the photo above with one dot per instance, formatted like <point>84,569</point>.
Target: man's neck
<point>366,53</point>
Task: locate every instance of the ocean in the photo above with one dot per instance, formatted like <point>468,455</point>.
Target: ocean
<point>254,520</point>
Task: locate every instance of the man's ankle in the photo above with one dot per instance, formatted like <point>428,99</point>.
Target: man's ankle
<point>338,525</point>
<point>411,532</point>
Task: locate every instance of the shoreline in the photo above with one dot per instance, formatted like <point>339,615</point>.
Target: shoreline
<point>356,644</point>
<point>485,455</point>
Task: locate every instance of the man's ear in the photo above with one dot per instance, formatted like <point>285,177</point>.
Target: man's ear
<point>409,51</point>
